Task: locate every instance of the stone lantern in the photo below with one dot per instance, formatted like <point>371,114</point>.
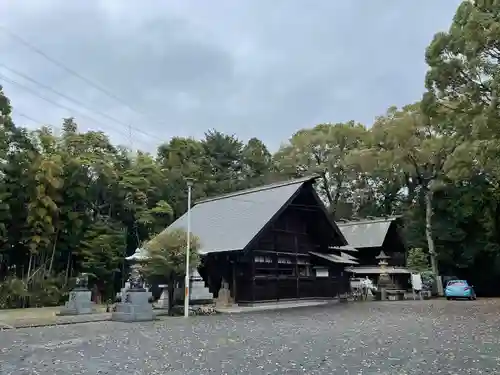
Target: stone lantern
<point>384,280</point>
<point>135,303</point>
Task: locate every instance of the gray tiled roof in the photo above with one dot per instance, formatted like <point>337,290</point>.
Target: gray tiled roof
<point>231,221</point>
<point>366,233</point>
<point>334,258</point>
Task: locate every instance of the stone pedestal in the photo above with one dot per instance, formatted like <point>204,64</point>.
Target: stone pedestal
<point>162,303</point>
<point>79,303</point>
<point>224,298</point>
<point>135,306</point>
<point>383,294</point>
<point>179,293</point>
<point>384,284</point>
<point>198,293</point>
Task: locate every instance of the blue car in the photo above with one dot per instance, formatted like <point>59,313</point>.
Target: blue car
<point>459,289</point>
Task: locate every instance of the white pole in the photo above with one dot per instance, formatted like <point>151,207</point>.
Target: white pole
<point>188,245</point>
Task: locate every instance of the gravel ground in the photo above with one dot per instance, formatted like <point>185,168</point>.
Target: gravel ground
<point>415,337</point>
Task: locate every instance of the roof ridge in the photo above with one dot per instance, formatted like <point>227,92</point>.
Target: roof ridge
<point>367,221</point>
<point>270,186</point>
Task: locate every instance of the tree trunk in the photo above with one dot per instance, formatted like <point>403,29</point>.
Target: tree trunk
<point>429,211</point>
<point>53,252</point>
<point>29,266</point>
<point>68,265</point>
<point>326,188</point>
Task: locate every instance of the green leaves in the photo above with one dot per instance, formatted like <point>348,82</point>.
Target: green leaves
<point>464,83</point>
<point>417,260</point>
<point>323,150</point>
<point>167,254</point>
<point>76,202</point>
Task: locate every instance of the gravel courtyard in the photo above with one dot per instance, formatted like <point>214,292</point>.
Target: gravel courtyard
<point>422,337</point>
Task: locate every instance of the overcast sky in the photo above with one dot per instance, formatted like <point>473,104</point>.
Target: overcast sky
<point>253,68</point>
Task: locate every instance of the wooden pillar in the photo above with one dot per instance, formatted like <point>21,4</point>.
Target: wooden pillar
<point>276,277</point>
<point>274,280</point>
<point>252,274</point>
<point>234,263</point>
<point>296,245</point>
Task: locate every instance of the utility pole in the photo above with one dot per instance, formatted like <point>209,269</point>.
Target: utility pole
<point>189,182</point>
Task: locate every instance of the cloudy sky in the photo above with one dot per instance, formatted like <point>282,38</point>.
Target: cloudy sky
<point>262,68</point>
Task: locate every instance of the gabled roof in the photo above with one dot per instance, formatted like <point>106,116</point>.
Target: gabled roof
<point>334,258</point>
<point>230,222</point>
<point>366,233</point>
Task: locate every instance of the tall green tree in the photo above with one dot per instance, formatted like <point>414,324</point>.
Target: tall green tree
<point>222,163</point>
<point>463,82</point>
<point>323,150</point>
<point>463,85</point>
<point>257,164</point>
<point>417,145</point>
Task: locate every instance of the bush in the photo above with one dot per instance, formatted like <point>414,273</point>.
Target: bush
<point>48,292</point>
<point>428,280</point>
<point>13,293</point>
<point>16,293</point>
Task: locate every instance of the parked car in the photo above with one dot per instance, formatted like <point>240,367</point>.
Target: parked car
<point>459,289</point>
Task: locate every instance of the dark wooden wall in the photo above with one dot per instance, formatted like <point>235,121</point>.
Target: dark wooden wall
<point>281,266</point>
<point>277,265</point>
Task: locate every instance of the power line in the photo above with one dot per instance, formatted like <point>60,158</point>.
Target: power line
<point>34,93</point>
<point>68,70</point>
<point>77,102</point>
<point>76,74</point>
<point>81,114</point>
<point>21,114</point>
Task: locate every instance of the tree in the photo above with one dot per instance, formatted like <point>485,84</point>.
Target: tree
<point>464,84</point>
<point>418,145</point>
<point>167,258</point>
<point>417,260</point>
<point>463,66</point>
<point>257,164</point>
<point>323,150</point>
<point>182,158</point>
<point>386,183</point>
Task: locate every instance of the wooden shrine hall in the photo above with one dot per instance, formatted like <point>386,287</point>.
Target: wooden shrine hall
<point>375,237</point>
<point>371,236</point>
<point>270,243</point>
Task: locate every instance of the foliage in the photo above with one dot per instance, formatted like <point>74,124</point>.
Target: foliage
<point>428,280</point>
<point>167,258</point>
<point>324,150</point>
<point>167,254</point>
<point>12,292</point>
<point>73,202</point>
<point>417,260</point>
